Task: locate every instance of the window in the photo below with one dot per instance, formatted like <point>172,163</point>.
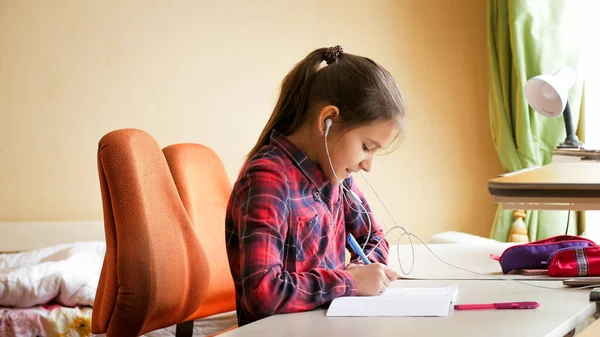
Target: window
<point>591,68</point>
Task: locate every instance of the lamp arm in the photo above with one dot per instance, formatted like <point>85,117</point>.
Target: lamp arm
<point>568,121</point>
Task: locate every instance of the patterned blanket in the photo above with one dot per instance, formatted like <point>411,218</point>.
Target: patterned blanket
<point>46,321</point>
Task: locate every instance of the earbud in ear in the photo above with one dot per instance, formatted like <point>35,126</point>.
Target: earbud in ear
<point>328,123</point>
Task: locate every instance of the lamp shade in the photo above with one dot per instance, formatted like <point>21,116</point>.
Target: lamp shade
<point>548,94</point>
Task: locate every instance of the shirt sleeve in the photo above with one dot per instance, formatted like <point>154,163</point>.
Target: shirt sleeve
<point>260,214</point>
<point>357,223</point>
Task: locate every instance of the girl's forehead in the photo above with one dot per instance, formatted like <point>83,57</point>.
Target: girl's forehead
<point>382,132</point>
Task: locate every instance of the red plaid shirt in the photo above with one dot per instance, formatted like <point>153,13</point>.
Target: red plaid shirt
<point>286,228</point>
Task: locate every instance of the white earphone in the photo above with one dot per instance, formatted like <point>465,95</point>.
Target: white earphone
<point>328,123</point>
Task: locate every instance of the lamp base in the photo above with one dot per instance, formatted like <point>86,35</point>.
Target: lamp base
<point>570,144</point>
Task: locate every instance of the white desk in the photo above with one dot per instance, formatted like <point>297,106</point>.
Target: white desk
<point>559,313</point>
<point>427,266</point>
<point>468,256</point>
<point>573,186</point>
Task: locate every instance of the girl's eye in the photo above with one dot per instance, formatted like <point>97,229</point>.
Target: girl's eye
<point>365,148</point>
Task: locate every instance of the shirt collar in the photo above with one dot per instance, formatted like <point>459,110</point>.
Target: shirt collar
<point>309,168</point>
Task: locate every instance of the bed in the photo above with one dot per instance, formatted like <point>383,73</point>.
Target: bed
<point>47,291</point>
<point>54,320</point>
<point>47,286</point>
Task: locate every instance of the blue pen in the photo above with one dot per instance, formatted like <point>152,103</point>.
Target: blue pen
<point>356,248</point>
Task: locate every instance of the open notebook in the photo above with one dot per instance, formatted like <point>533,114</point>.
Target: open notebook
<point>397,302</point>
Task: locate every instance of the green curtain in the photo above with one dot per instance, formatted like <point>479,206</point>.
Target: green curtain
<point>525,39</point>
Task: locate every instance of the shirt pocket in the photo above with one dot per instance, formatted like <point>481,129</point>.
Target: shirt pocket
<point>308,236</point>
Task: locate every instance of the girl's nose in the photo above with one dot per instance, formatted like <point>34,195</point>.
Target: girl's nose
<point>367,164</point>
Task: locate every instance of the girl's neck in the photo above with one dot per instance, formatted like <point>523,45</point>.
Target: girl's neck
<point>303,139</point>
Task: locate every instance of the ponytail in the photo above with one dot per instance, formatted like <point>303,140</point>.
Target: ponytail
<point>291,108</point>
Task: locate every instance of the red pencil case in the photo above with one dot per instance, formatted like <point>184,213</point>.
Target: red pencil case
<point>575,261</point>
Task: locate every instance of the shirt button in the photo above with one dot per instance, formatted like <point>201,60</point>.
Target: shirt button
<point>331,225</point>
<point>316,195</point>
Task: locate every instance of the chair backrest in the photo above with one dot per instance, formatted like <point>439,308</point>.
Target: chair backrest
<point>204,188</point>
<point>155,273</point>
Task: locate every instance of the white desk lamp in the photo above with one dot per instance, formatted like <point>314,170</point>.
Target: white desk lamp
<point>549,95</point>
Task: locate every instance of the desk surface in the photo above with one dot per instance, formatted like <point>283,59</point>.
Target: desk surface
<point>427,266</point>
<point>559,312</point>
<point>467,256</point>
<point>573,186</point>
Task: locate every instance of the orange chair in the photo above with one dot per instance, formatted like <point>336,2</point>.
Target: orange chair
<point>155,272</point>
<point>204,189</point>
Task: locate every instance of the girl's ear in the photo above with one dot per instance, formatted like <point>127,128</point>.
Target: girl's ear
<point>327,112</point>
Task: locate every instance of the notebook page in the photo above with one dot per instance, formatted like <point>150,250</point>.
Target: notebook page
<point>397,302</point>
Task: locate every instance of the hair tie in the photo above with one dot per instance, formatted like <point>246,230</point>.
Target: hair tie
<point>332,53</point>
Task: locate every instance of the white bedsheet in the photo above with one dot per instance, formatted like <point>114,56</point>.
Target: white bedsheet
<point>67,274</point>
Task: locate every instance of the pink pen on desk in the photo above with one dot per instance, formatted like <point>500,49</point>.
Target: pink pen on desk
<point>504,305</point>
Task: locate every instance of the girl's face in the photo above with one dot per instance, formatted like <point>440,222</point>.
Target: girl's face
<point>354,150</point>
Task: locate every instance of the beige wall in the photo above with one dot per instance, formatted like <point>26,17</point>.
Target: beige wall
<point>208,72</point>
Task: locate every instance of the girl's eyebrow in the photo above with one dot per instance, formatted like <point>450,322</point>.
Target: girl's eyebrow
<point>377,145</point>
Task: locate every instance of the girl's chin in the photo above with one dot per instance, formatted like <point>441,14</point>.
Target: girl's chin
<point>341,177</point>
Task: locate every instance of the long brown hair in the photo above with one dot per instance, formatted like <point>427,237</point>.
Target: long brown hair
<point>362,90</point>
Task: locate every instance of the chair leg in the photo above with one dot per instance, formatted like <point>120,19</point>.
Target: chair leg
<point>185,329</point>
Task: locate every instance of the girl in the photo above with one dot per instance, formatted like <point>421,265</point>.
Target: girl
<point>290,212</point>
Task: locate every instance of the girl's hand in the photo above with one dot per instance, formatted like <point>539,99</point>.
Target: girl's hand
<point>371,279</point>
